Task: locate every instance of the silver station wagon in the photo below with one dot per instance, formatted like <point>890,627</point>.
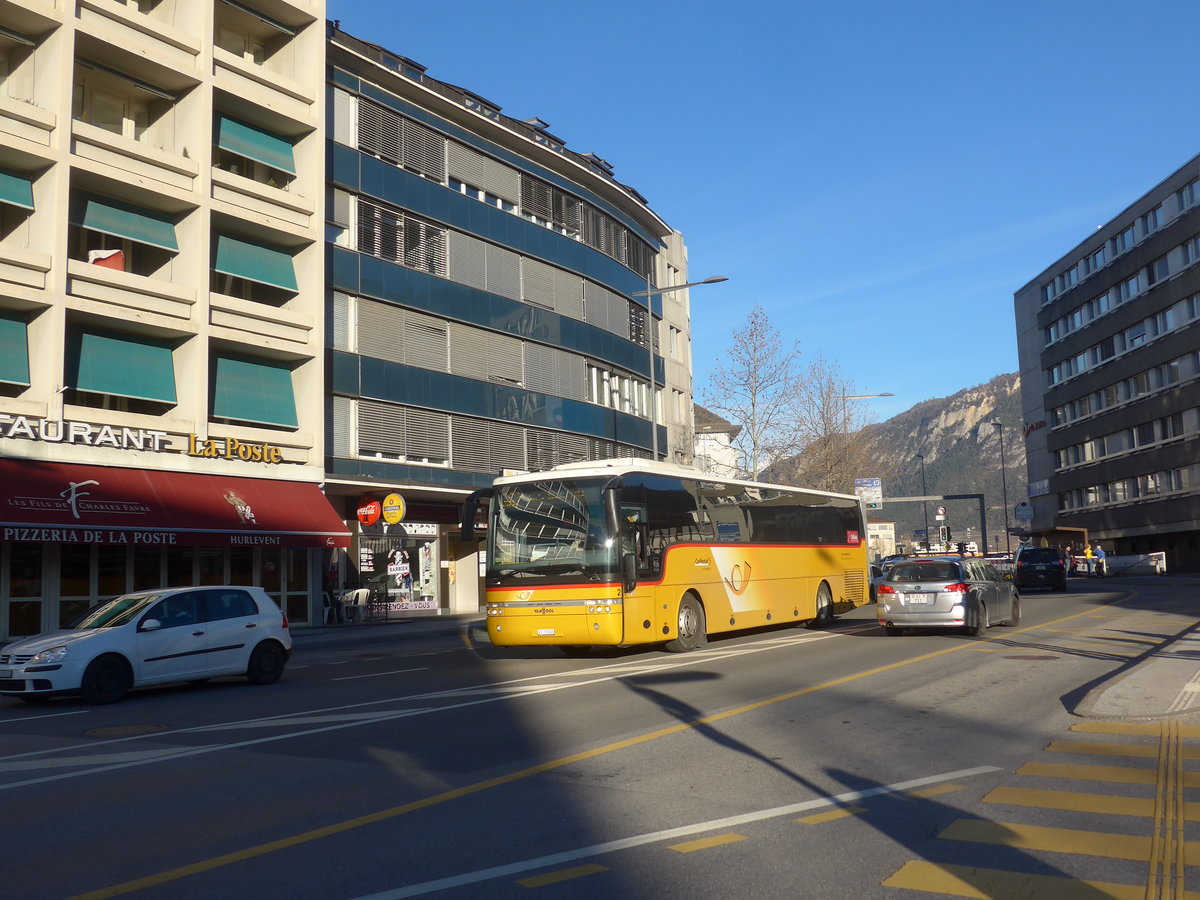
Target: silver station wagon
<point>946,592</point>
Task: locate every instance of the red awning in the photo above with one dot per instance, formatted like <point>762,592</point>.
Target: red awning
<point>59,502</point>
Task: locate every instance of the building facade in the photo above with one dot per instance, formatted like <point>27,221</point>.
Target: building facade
<point>161,302</point>
<point>1109,346</point>
<point>482,316</point>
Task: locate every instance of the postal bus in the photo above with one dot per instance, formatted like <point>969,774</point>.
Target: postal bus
<point>613,553</point>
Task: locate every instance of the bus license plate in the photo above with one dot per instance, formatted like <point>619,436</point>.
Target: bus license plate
<point>918,598</point>
<point>545,632</point>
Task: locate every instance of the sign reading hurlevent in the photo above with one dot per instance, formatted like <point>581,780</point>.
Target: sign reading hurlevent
<point>67,431</point>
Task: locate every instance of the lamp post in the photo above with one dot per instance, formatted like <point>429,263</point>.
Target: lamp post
<point>924,493</point>
<point>999,426</point>
<point>648,293</point>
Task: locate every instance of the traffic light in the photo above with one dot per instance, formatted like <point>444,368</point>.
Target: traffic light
<point>943,533</point>
<point>962,548</point>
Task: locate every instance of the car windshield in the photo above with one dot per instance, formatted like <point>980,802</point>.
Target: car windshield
<point>912,573</point>
<point>1039,554</point>
<point>117,611</point>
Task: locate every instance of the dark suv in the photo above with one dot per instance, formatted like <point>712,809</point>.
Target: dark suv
<point>1044,567</point>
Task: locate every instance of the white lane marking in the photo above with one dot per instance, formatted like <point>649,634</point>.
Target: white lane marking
<point>494,693</point>
<point>556,859</point>
<point>378,674</point>
<point>77,712</point>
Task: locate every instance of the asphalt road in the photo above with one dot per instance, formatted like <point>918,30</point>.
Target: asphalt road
<point>780,763</point>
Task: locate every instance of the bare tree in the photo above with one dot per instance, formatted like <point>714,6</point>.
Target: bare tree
<point>754,385</point>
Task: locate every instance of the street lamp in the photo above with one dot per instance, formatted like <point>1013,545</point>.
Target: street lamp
<point>999,426</point>
<point>924,493</point>
<point>648,293</point>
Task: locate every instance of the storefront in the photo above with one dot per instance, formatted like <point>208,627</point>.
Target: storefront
<point>73,534</point>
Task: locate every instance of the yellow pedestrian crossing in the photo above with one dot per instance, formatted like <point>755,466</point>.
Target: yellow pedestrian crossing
<point>1151,793</point>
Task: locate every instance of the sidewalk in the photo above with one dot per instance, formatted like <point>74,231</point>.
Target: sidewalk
<point>449,623</point>
<point>1166,682</point>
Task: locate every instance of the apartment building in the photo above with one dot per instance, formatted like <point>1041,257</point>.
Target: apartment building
<point>484,315</point>
<point>1109,348</point>
<point>161,302</point>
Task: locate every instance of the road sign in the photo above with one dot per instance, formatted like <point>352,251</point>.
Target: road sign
<point>870,490</point>
<point>941,510</point>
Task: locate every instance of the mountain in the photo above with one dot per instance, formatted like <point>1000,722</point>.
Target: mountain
<point>962,456</point>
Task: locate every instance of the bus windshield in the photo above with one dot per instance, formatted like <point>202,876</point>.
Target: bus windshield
<point>549,532</point>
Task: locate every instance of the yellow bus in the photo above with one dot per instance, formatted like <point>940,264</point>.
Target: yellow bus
<point>613,553</point>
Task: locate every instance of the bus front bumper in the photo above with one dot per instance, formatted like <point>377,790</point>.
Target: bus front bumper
<point>554,624</point>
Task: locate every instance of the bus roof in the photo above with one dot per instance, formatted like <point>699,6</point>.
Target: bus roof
<point>612,468</point>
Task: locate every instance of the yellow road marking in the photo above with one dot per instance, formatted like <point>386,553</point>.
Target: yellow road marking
<point>1097,748</point>
<point>1075,801</point>
<point>994,884</point>
<point>935,790</point>
<point>705,843</point>
<point>1118,774</point>
<point>1053,840</point>
<point>1169,853</point>
<point>563,875</point>
<point>1148,728</point>
<point>316,834</point>
<point>832,815</point>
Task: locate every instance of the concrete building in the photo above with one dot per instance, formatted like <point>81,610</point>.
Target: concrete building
<point>161,302</point>
<point>482,317</point>
<point>1109,345</point>
<point>714,451</point>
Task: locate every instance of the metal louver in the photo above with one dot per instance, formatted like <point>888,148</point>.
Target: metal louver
<point>483,172</point>
<point>536,198</point>
<point>468,351</point>
<point>339,433</point>
<point>424,150</point>
<point>425,341</point>
<point>506,358</point>
<point>537,282</point>
<point>469,441</point>
<point>345,117</point>
<point>380,330</point>
<point>427,435</point>
<point>380,429</point>
<point>568,294</point>
<point>503,272</point>
<point>339,336</point>
<point>379,131</point>
<point>466,260</point>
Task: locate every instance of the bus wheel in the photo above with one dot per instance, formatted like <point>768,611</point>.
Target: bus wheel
<point>824,608</point>
<point>690,626</point>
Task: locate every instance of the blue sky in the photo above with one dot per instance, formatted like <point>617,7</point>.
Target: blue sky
<point>880,177</point>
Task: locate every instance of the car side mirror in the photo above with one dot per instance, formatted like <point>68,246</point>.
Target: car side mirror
<point>150,625</point>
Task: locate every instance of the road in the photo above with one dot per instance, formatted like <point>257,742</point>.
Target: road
<point>780,763</point>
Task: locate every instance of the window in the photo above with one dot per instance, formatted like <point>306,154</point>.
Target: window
<point>391,234</point>
<point>122,105</point>
<point>254,153</point>
<point>1152,221</point>
<point>125,372</point>
<point>252,271</point>
<point>117,235</point>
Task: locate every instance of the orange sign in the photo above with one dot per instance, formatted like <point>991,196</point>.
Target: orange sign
<point>393,509</point>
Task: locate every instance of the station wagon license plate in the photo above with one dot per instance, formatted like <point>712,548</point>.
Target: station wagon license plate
<point>915,599</point>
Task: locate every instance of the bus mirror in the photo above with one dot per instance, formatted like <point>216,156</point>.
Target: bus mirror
<point>470,510</point>
<point>629,572</point>
<point>612,507</point>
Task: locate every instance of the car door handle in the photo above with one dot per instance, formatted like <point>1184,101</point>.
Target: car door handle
<point>251,624</point>
<point>197,634</point>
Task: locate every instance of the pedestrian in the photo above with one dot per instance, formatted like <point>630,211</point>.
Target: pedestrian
<point>1070,561</point>
<point>1101,560</point>
<point>1089,560</point>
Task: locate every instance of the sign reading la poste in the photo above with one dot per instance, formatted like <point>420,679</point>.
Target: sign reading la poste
<point>67,431</point>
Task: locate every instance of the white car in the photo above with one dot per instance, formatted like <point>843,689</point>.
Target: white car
<point>152,637</point>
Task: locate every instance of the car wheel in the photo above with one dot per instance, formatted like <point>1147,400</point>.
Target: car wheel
<point>106,679</point>
<point>266,663</point>
<point>1015,618</point>
<point>824,608</point>
<point>981,622</point>
<point>689,627</point>
<point>892,631</point>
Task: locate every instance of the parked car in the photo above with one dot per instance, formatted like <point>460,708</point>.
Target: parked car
<point>946,592</point>
<point>152,637</point>
<point>1041,567</point>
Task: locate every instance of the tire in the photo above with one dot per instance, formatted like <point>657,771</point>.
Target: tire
<point>824,615</point>
<point>266,663</point>
<point>892,631</point>
<point>106,679</point>
<point>690,630</point>
<point>981,622</point>
<point>1015,618</point>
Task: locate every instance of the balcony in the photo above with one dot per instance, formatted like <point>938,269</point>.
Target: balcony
<point>263,86</point>
<point>23,267</point>
<point>132,156</point>
<point>247,317</point>
<point>145,34</point>
<point>23,119</point>
<point>118,292</point>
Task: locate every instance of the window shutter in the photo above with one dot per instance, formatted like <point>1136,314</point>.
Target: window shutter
<point>345,118</point>
<point>380,330</point>
<point>466,260</point>
<point>340,318</point>
<point>503,272</point>
<point>541,371</point>
<point>427,435</point>
<point>378,131</point>
<point>469,440</point>
<point>339,432</point>
<point>539,449</point>
<point>339,208</point>
<point>537,282</point>
<point>572,376</point>
<point>595,304</point>
<point>484,172</point>
<point>424,150</point>
<point>380,429</point>
<point>506,443</point>
<point>568,294</point>
<point>425,341</point>
<point>535,198</point>
<point>506,358</point>
<point>468,351</point>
